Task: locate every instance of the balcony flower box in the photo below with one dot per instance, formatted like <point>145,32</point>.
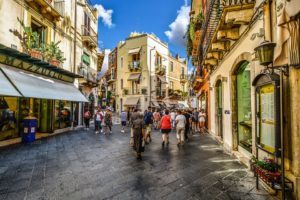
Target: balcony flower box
<point>36,54</point>
<point>54,62</point>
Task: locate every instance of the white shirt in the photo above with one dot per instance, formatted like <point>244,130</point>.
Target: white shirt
<point>180,119</point>
<point>173,115</point>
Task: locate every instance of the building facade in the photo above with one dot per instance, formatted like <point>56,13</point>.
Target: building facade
<point>248,101</point>
<point>147,74</point>
<point>49,72</point>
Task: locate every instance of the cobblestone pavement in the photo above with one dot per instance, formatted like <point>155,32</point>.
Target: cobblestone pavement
<point>82,165</point>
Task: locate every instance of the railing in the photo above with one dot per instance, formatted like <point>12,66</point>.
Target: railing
<point>134,65</point>
<point>183,77</point>
<point>88,73</point>
<point>237,2</point>
<point>160,93</point>
<point>135,91</point>
<point>111,76</point>
<point>60,6</point>
<point>160,69</point>
<point>88,31</point>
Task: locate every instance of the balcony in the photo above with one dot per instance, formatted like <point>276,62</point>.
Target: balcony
<point>160,93</point>
<point>111,77</point>
<point>51,9</point>
<point>89,36</point>
<point>183,78</point>
<point>135,91</point>
<point>174,93</point>
<point>160,70</point>
<point>134,66</point>
<point>89,75</point>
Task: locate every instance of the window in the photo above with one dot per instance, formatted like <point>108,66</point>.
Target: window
<point>171,85</point>
<point>87,24</point>
<point>41,30</point>
<point>171,66</point>
<point>182,70</point>
<point>122,60</point>
<point>86,59</point>
<point>158,60</point>
<point>121,83</point>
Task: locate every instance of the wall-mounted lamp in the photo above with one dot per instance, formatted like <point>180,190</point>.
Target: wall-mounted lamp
<point>265,52</point>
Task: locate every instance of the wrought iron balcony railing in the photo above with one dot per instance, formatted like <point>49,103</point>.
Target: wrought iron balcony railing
<point>134,66</point>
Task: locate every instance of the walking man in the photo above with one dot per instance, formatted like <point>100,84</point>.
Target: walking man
<point>173,116</point>
<point>187,125</point>
<point>123,117</point>
<point>148,119</point>
<point>133,116</point>
<point>108,121</point>
<point>87,117</point>
<point>180,127</point>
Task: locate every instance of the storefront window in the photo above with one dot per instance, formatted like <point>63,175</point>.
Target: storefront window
<point>244,107</point>
<point>62,114</point>
<point>8,117</point>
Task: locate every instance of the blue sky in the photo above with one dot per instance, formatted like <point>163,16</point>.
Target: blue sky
<point>118,18</point>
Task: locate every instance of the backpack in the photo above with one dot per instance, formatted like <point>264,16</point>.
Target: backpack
<point>87,114</point>
<point>148,118</point>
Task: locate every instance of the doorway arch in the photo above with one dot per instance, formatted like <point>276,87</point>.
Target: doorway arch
<point>219,108</point>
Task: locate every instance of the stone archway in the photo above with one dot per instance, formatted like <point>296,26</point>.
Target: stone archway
<point>244,57</point>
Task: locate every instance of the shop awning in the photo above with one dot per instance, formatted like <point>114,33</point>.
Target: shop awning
<point>162,79</point>
<point>134,51</point>
<point>6,88</point>
<point>41,87</point>
<point>131,101</point>
<point>134,77</point>
<point>155,104</point>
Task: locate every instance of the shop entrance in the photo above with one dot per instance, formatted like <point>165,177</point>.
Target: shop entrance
<point>219,109</point>
<point>244,124</point>
<point>42,110</point>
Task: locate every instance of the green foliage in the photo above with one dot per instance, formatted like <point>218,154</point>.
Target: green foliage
<point>189,42</point>
<point>52,51</point>
<point>267,164</point>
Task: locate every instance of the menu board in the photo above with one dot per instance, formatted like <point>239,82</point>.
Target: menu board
<point>267,121</point>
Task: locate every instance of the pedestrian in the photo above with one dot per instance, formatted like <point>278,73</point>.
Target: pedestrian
<point>156,117</point>
<point>195,120</point>
<point>173,116</point>
<point>98,120</point>
<point>187,125</point>
<point>138,127</point>
<point>108,121</point>
<point>202,117</point>
<point>128,116</point>
<point>148,119</point>
<point>180,126</point>
<point>87,117</point>
<point>166,127</point>
<point>123,117</point>
<point>134,115</point>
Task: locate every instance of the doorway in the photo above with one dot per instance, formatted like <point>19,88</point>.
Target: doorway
<point>219,108</point>
<point>42,109</point>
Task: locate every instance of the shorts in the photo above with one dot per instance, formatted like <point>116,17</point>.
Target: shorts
<point>123,123</point>
<point>165,131</point>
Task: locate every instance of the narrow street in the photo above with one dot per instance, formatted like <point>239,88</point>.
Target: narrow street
<point>82,165</point>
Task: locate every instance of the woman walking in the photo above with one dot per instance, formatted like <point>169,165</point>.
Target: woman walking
<point>138,127</point>
<point>166,127</point>
<point>202,116</point>
<point>87,117</point>
<point>108,120</point>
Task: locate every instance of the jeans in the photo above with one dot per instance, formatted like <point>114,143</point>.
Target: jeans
<point>98,125</point>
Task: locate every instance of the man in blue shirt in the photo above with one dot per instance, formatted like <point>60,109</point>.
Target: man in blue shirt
<point>123,117</point>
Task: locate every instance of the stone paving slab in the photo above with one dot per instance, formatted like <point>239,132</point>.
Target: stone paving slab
<point>83,165</point>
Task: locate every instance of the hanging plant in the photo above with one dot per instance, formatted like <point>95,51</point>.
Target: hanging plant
<point>199,21</point>
<point>189,43</point>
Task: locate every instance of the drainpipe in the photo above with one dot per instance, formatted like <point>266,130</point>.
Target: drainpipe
<point>150,98</point>
<point>75,36</point>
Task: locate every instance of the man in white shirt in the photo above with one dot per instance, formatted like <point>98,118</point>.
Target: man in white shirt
<point>180,126</point>
<point>173,116</point>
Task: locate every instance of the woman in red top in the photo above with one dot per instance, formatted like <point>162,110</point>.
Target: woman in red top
<point>165,126</point>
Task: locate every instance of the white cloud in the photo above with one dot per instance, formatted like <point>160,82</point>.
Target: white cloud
<point>105,63</point>
<point>178,28</point>
<point>105,15</point>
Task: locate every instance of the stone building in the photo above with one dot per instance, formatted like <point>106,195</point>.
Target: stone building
<point>43,66</point>
<point>246,97</point>
<point>147,74</point>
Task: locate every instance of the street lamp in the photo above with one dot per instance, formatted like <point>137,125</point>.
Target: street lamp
<point>265,52</point>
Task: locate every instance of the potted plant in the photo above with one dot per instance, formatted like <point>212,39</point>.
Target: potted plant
<point>30,40</point>
<point>54,54</point>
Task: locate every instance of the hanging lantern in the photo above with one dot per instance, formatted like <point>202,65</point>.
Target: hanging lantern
<point>265,52</point>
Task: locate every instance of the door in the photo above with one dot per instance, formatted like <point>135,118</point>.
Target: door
<point>219,108</point>
<point>42,109</point>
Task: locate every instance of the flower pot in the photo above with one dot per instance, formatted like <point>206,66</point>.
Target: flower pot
<point>36,54</point>
<point>54,62</point>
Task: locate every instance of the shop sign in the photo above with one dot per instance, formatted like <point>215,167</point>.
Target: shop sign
<point>11,61</point>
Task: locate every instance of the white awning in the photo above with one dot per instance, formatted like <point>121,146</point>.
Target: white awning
<point>131,101</point>
<point>134,51</point>
<point>6,88</point>
<point>134,77</point>
<point>41,87</point>
<point>162,79</point>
